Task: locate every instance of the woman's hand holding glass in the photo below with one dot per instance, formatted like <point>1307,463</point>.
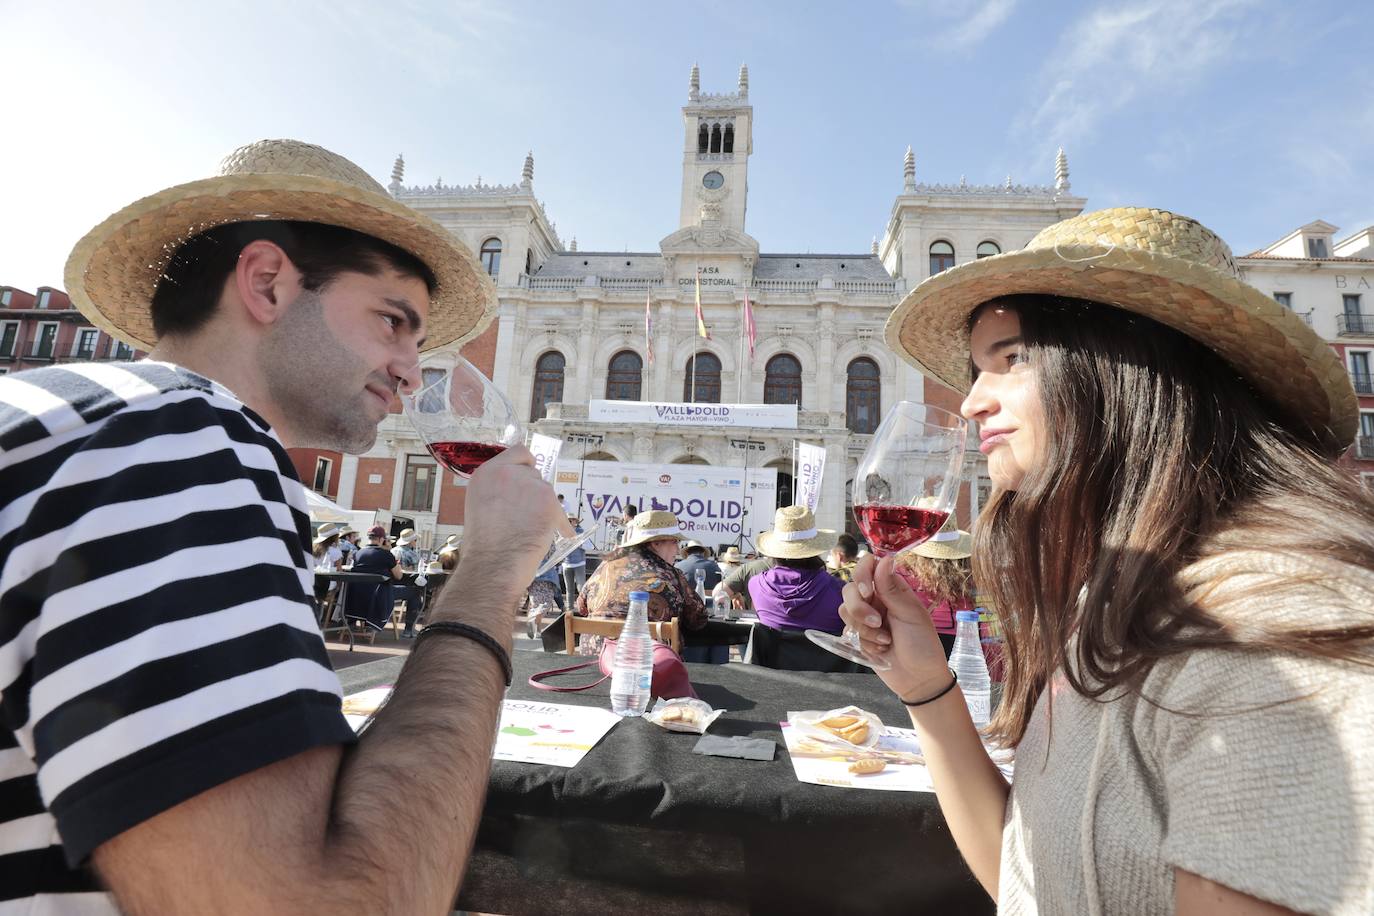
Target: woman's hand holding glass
<point>895,626</point>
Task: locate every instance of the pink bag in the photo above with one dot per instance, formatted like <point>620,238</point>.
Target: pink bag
<point>670,673</point>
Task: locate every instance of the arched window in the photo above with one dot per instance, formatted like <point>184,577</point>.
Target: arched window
<point>729,142</point>
<point>715,139</point>
<point>988,249</point>
<point>689,459</point>
<point>785,481</point>
<point>624,376</point>
<point>941,257</point>
<point>548,384</point>
<point>703,139</point>
<point>491,256</point>
<point>703,378</point>
<point>782,383</point>
<point>863,396</point>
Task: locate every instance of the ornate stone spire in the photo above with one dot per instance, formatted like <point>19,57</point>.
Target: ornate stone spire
<point>527,173</point>
<point>875,245</point>
<point>909,171</point>
<point>398,173</point>
<point>694,84</point>
<point>1061,172</point>
<point>1008,185</point>
<point>743,81</point>
<point>572,246</point>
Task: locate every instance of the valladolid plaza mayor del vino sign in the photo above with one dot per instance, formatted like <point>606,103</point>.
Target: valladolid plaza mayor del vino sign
<point>757,416</point>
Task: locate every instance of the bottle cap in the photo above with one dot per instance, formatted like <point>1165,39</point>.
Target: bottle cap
<point>958,615</point>
<point>639,596</point>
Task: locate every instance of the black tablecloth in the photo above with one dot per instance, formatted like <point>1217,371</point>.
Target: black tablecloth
<point>644,825</point>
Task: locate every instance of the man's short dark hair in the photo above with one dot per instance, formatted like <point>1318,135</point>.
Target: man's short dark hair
<point>849,548</point>
<point>191,284</point>
<point>631,510</point>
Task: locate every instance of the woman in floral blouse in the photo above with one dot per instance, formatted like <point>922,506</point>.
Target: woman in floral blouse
<point>643,563</point>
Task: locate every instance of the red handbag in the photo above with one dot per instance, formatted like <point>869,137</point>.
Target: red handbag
<point>670,678</point>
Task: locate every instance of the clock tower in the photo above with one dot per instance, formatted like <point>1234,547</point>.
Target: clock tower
<point>718,138</point>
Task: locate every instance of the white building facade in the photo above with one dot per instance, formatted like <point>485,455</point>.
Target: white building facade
<point>572,324</point>
<point>1330,283</point>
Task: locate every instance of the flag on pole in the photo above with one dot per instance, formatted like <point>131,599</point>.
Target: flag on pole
<point>701,319</point>
<point>649,327</point>
<point>750,331</point>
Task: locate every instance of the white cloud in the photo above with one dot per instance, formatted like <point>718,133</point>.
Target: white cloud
<point>1114,55</point>
<point>964,23</point>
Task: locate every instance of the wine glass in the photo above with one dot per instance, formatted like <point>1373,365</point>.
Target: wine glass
<point>904,491</point>
<point>465,420</point>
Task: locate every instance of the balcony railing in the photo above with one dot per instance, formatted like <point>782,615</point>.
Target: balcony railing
<point>1354,324</point>
<point>786,286</point>
<point>1364,447</point>
<point>1363,381</point>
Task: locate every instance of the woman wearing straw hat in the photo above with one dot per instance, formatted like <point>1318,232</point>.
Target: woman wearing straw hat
<point>939,572</point>
<point>1188,577</point>
<point>643,563</point>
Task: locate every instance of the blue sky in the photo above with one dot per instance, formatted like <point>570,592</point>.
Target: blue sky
<point>1255,116</point>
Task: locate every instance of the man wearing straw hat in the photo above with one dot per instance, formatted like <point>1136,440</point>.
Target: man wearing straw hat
<point>173,738</point>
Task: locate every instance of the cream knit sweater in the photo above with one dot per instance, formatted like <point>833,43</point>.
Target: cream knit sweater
<point>1277,803</point>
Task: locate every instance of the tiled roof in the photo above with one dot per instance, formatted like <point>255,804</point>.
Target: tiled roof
<point>815,266</point>
<point>1261,256</point>
<point>644,264</point>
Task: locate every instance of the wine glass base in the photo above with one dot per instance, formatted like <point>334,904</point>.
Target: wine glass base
<point>842,647</point>
<point>564,546</point>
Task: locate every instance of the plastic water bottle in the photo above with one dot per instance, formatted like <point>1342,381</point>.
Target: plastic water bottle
<point>701,585</point>
<point>722,607</point>
<point>966,659</point>
<point>634,660</point>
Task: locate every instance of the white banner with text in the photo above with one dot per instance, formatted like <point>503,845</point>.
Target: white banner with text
<point>759,416</point>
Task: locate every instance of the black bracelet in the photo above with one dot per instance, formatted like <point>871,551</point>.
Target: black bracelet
<point>954,680</point>
<point>477,636</point>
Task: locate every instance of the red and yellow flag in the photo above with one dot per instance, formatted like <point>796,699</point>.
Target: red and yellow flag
<point>701,319</point>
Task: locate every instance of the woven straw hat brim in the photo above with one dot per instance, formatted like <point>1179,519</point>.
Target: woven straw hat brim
<point>771,546</point>
<point>113,271</point>
<point>1268,345</point>
<point>646,538</point>
<point>946,550</point>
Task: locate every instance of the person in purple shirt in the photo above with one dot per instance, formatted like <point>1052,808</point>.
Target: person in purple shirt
<point>797,592</point>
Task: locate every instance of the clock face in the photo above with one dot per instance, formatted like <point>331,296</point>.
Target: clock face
<point>712,180</point>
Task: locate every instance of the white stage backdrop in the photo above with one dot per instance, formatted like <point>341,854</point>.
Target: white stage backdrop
<point>714,504</point>
<point>761,416</point>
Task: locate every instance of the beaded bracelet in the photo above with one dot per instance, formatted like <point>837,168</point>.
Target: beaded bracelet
<point>477,636</point>
<point>955,680</point>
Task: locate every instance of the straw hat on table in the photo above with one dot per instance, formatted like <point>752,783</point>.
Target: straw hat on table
<point>1154,263</point>
<point>795,535</point>
<point>112,272</point>
<point>652,526</point>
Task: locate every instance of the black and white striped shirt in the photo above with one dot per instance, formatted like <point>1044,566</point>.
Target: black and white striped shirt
<point>157,637</point>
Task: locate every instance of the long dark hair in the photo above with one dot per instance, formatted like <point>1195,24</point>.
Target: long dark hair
<point>1162,460</point>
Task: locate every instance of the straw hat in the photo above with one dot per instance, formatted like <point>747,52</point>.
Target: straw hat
<point>946,544</point>
<point>795,535</point>
<point>406,537</point>
<point>347,530</point>
<point>731,555</point>
<point>1154,263</point>
<point>652,526</point>
<point>326,532</point>
<point>112,272</point>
